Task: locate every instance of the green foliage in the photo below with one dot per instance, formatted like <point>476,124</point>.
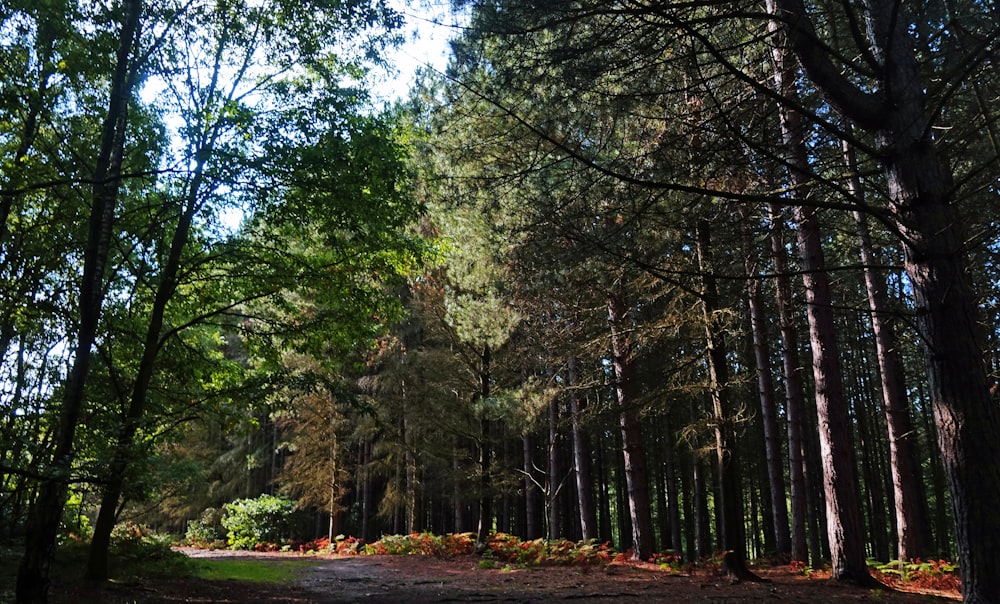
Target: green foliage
<point>545,552</point>
<point>501,547</point>
<point>425,544</point>
<point>137,551</point>
<point>252,523</point>
<point>669,561</point>
<point>207,529</point>
<point>929,574</point>
<point>75,524</point>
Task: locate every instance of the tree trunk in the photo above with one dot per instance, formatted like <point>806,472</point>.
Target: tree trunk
<point>622,520</point>
<point>414,513</point>
<point>686,467</point>
<point>633,451</point>
<point>794,391</point>
<point>819,541</point>
<point>485,455</point>
<point>874,491</point>
<point>670,478</point>
<point>733,537</point>
<point>398,518</point>
<point>555,472</point>
<point>968,428</point>
<point>581,460</point>
<point>507,514</point>
<point>457,500</point>
<point>907,479</point>
<point>45,514</point>
<point>604,497</point>
<point>367,490</point>
<point>702,531</point>
<point>939,487</point>
<point>765,392</point>
<point>532,530</point>
<point>662,517</point>
<point>702,520</point>
<point>844,526</point>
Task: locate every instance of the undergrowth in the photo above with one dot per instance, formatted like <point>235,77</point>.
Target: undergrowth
<point>501,550</point>
<point>926,574</point>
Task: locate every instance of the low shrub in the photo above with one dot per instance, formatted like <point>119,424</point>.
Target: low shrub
<point>500,548</point>
<point>258,523</point>
<point>136,550</point>
<point>347,545</point>
<point>929,574</point>
<point>537,552</point>
<point>668,561</point>
<point>206,530</point>
<point>427,544</point>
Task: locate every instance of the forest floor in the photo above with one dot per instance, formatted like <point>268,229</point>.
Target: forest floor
<point>426,579</point>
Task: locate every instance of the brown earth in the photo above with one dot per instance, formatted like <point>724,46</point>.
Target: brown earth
<point>424,579</point>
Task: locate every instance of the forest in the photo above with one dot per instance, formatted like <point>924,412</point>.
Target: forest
<point>689,277</point>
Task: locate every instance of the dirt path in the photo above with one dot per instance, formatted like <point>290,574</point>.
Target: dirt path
<point>424,580</point>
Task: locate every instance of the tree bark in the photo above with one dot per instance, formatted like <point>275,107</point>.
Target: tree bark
<point>367,491</point>
<point>907,479</point>
<point>398,518</point>
<point>968,428</point>
<point>414,513</point>
<point>555,472</point>
<point>633,451</point>
<point>457,499</point>
<point>604,497</point>
<point>623,522</point>
<point>843,510</point>
<point>765,392</point>
<point>581,459</point>
<point>485,455</point>
<point>532,530</point>
<point>794,392</point>
<point>700,480</point>
<point>507,514</point>
<point>670,480</point>
<point>844,526</point>
<point>939,488</point>
<point>874,490</point>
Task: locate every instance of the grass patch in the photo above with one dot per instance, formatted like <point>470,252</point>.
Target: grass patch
<point>260,571</point>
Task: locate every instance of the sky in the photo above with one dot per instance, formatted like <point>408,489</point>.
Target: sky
<point>426,35</point>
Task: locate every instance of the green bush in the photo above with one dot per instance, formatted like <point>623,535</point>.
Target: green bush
<point>250,523</point>
<point>138,551</point>
<point>207,529</point>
